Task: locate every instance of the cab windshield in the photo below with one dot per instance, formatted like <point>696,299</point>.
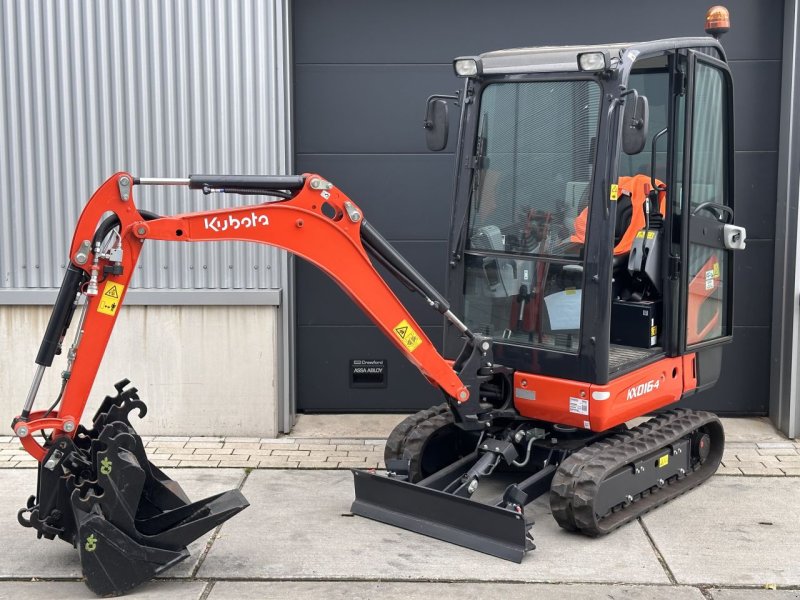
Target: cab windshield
<point>534,157</point>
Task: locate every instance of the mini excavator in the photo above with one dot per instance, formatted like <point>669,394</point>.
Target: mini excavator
<point>591,259</point>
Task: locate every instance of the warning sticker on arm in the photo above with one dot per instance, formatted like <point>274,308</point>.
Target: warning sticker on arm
<point>407,335</point>
<point>109,300</point>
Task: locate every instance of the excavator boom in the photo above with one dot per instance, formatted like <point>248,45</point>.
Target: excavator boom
<point>97,489</point>
<point>317,222</point>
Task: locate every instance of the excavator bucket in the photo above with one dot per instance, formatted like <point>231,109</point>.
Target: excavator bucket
<point>128,520</point>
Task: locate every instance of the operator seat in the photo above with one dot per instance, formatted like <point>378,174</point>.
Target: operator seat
<point>633,192</point>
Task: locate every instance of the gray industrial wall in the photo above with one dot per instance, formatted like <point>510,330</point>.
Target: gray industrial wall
<point>363,69</point>
<point>160,89</point>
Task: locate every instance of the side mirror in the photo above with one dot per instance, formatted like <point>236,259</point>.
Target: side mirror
<point>436,124</point>
<point>634,123</point>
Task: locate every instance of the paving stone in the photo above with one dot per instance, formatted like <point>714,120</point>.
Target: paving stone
<point>367,455</point>
<point>165,462</point>
<point>731,531</point>
<point>778,452</point>
<point>281,447</point>
<point>166,443</point>
<point>26,458</point>
<point>361,590</point>
<point>750,465</point>
<point>323,455</point>
<point>207,438</point>
<point>376,442</point>
<point>728,471</point>
<point>729,444</point>
<point>176,450</point>
<point>203,445</point>
<point>252,451</point>
<point>786,444</point>
<point>9,465</point>
<point>317,447</point>
<point>295,453</point>
<point>224,464</point>
<point>286,440</point>
<point>242,440</point>
<point>237,445</point>
<point>354,447</point>
<point>789,459</point>
<point>313,442</point>
<point>791,471</point>
<point>76,590</point>
<point>348,459</point>
<point>300,513</point>
<point>217,451</point>
<point>273,460</point>
<point>768,472</point>
<point>349,441</point>
<point>199,463</point>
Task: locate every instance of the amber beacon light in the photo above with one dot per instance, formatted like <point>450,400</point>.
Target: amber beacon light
<point>718,21</point>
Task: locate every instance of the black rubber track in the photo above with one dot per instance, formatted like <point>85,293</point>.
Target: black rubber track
<point>408,438</point>
<point>579,477</point>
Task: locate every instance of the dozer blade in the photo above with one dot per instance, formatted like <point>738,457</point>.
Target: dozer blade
<point>490,529</point>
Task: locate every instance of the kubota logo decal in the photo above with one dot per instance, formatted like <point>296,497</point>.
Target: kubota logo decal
<point>643,388</point>
<point>231,222</point>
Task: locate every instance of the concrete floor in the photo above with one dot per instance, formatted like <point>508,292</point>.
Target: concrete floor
<point>731,539</point>
<point>727,540</point>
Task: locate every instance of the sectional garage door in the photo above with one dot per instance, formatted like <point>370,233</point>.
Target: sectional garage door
<point>362,72</point>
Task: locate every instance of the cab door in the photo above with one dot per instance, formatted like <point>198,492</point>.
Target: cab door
<point>709,234</point>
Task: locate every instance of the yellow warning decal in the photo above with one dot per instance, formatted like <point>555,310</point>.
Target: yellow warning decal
<point>640,234</point>
<point>614,192</point>
<point>651,235</point>
<point>109,301</point>
<point>663,461</point>
<point>653,330</point>
<point>407,335</point>
<point>716,270</point>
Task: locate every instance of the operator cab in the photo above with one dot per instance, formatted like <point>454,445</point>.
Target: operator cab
<point>593,219</point>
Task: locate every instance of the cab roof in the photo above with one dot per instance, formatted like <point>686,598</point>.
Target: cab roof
<point>548,59</point>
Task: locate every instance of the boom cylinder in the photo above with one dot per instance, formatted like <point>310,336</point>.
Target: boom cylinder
<point>61,316</point>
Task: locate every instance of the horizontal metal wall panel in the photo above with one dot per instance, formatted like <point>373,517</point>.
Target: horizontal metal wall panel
<point>159,89</point>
